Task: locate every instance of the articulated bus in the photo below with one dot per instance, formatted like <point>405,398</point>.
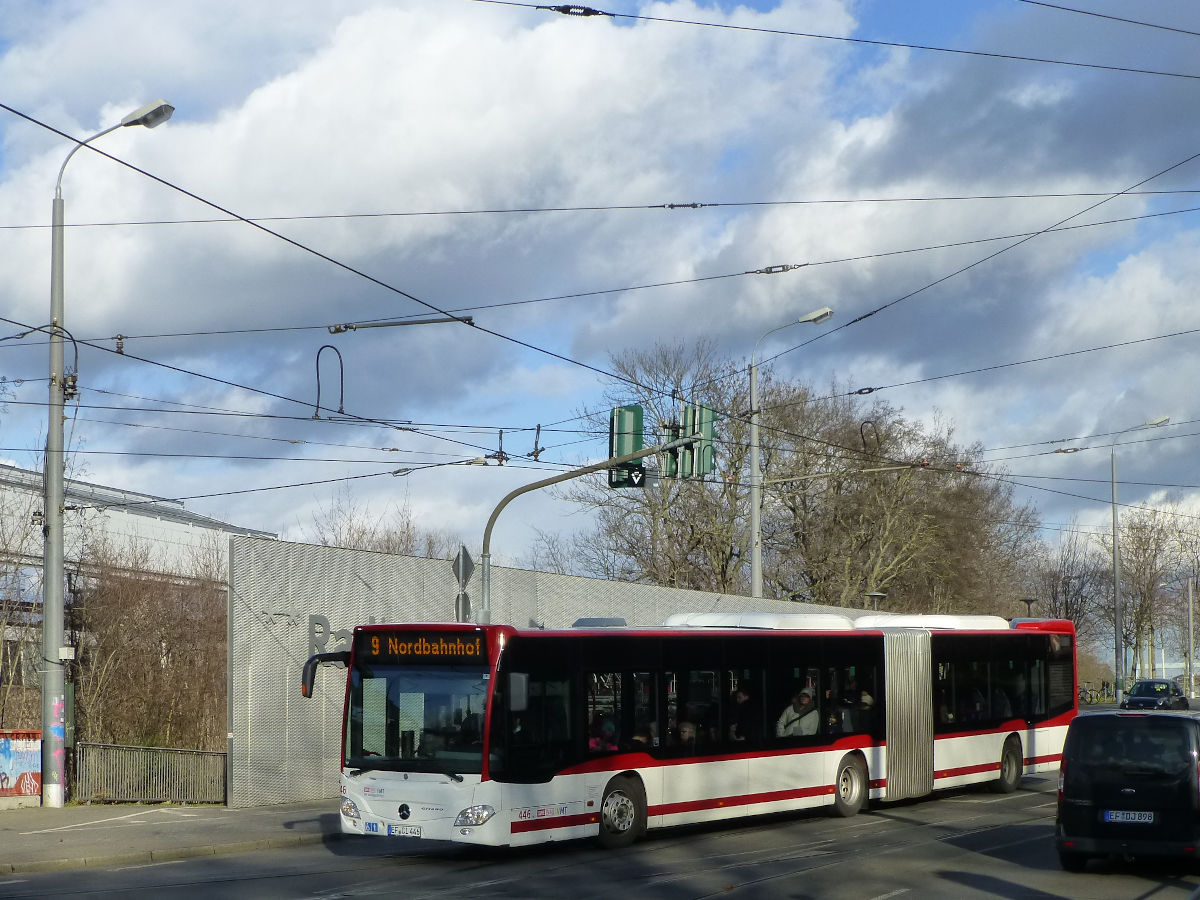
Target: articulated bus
<point>488,734</point>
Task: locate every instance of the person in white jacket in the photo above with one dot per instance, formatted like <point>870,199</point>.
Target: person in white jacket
<point>800,717</point>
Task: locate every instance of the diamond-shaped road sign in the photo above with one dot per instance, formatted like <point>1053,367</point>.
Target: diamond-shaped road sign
<point>463,567</point>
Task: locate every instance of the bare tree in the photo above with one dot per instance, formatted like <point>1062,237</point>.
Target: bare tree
<point>20,613</point>
<point>848,509</point>
<point>1072,581</point>
<point>150,667</point>
<point>1148,548</point>
<point>350,523</point>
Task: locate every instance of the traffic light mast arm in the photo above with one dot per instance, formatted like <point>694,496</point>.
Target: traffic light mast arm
<point>485,558</point>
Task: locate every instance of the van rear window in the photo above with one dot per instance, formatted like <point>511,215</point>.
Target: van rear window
<point>1134,744</point>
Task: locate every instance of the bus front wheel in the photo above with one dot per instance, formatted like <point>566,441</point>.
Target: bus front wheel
<point>850,787</point>
<point>622,812</point>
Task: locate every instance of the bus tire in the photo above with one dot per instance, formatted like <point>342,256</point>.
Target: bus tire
<point>1011,765</point>
<point>850,786</point>
<point>622,812</point>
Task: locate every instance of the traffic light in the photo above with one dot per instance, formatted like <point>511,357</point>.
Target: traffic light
<point>625,425</point>
<point>668,461</point>
<point>625,430</point>
<point>686,456</point>
<point>706,455</point>
<point>694,460</point>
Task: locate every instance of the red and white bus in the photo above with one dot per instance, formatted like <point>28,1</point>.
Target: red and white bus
<point>488,734</point>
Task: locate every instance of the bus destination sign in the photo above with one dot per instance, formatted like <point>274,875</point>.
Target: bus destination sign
<point>423,646</point>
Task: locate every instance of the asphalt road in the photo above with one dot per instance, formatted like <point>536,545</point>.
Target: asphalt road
<point>965,844</point>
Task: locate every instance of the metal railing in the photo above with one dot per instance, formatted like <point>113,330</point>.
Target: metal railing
<point>109,773</point>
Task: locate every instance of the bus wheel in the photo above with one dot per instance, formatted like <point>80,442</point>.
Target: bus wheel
<point>850,789</point>
<point>1010,767</point>
<point>622,812</point>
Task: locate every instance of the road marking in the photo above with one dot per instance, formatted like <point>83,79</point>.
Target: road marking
<point>891,894</point>
<point>169,862</point>
<point>137,818</point>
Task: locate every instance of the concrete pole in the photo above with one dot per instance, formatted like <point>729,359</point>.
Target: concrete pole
<point>1118,643</point>
<point>756,583</point>
<point>1191,641</point>
<point>53,687</point>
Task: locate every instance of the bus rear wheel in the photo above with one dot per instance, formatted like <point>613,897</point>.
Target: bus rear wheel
<point>622,812</point>
<point>850,786</point>
<point>1011,765</point>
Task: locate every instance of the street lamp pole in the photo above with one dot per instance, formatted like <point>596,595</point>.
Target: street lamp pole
<point>1191,640</point>
<point>756,581</point>
<point>1118,637</point>
<point>53,575</point>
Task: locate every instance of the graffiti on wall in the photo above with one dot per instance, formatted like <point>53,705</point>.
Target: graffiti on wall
<point>20,764</point>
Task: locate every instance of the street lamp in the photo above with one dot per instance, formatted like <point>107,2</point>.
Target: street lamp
<point>1118,641</point>
<point>875,597</point>
<point>53,652</point>
<point>1029,601</point>
<point>816,317</point>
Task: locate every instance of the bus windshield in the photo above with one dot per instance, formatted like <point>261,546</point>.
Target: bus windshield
<point>416,718</point>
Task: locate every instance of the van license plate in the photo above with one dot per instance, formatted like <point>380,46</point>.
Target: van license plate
<point>405,830</point>
<point>1121,815</point>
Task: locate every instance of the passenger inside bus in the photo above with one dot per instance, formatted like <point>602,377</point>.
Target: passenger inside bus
<point>745,720</point>
<point>800,717</point>
<point>603,734</point>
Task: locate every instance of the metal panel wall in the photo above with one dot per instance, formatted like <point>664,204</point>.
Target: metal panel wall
<point>287,601</point>
<point>909,713</point>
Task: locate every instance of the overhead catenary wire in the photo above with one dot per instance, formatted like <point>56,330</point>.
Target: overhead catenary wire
<point>592,12</point>
<point>614,207</point>
<point>523,343</point>
<point>1111,18</point>
<point>762,270</point>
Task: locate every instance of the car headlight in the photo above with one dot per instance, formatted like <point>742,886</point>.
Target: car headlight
<point>474,815</point>
<point>350,809</point>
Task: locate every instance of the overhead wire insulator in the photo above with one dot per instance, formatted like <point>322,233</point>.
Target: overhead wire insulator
<point>568,9</point>
<point>776,270</point>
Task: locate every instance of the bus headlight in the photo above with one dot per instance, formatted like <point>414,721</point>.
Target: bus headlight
<point>350,809</point>
<point>474,815</point>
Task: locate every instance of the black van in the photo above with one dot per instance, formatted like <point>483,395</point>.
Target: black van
<point>1128,787</point>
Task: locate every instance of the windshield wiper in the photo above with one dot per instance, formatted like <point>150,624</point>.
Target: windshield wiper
<point>453,776</point>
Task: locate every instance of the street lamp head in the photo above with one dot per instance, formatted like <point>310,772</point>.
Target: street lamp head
<point>151,115</point>
<point>1161,420</point>
<point>817,316</point>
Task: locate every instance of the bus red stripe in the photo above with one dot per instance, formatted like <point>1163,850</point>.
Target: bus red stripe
<point>667,809</point>
<point>524,825</point>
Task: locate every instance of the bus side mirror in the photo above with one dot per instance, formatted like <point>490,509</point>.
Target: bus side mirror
<point>518,691</point>
<point>309,674</point>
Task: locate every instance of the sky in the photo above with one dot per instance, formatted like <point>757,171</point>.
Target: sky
<point>1006,187</point>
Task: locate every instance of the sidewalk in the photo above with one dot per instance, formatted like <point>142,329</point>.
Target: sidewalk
<point>33,839</point>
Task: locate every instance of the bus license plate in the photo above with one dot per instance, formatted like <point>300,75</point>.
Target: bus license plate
<point>1121,815</point>
<point>405,830</point>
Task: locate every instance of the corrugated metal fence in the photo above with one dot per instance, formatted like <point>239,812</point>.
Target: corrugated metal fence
<point>109,773</point>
